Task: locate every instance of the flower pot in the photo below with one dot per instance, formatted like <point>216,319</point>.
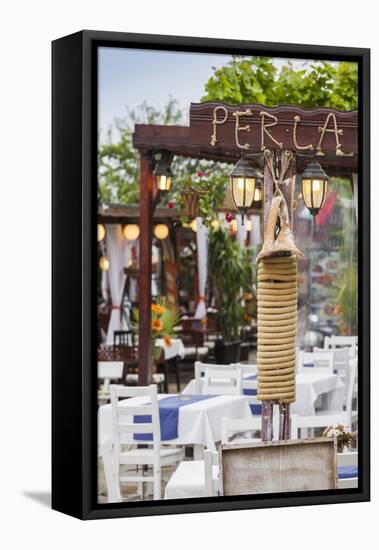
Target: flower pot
<point>227,352</point>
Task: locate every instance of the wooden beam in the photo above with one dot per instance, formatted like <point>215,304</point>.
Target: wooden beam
<point>145,270</point>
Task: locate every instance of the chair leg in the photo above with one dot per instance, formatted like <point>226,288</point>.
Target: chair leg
<point>177,372</point>
<point>165,377</point>
<point>157,484</point>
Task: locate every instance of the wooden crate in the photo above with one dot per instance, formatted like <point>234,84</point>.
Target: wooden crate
<point>279,466</point>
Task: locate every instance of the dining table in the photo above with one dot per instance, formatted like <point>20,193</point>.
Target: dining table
<point>198,419</point>
<point>309,387</point>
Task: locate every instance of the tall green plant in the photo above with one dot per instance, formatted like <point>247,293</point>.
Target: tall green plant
<point>230,276</point>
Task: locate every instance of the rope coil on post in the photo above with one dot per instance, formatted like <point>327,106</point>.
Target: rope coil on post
<point>277,303</point>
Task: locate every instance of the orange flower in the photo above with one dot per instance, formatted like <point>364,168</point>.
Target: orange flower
<point>167,340</point>
<point>156,308</point>
<point>156,325</point>
<point>248,296</point>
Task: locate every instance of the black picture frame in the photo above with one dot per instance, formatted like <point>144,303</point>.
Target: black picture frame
<point>74,206</point>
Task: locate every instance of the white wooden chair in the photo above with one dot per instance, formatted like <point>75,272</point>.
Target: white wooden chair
<point>335,342</point>
<point>153,455</point>
<point>347,470</point>
<point>109,370</point>
<point>340,359</point>
<point>195,478</point>
<point>346,416</point>
<point>113,487</point>
<point>322,362</point>
<point>224,380</point>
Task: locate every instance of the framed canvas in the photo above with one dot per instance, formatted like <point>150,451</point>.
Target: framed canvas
<point>211,275</point>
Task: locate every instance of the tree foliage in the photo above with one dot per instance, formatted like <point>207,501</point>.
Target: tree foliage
<point>258,80</point>
<point>118,161</point>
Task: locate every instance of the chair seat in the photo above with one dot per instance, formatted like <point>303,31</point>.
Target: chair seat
<point>245,440</point>
<point>145,456</point>
<point>188,480</point>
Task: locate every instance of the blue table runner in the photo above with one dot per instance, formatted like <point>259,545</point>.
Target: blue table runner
<point>255,408</point>
<point>168,415</point>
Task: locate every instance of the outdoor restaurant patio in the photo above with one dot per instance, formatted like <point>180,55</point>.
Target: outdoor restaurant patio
<point>199,304</point>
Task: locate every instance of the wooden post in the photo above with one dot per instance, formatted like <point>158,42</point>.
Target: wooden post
<point>145,270</point>
<point>267,416</point>
<point>288,189</point>
<point>267,406</point>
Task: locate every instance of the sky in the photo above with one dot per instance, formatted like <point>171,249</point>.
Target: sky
<point>127,77</point>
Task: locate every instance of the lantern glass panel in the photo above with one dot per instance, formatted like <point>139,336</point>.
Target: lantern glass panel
<point>243,191</point>
<point>164,183</point>
<point>314,192</point>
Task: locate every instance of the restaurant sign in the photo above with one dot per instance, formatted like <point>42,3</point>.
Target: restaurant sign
<point>254,128</point>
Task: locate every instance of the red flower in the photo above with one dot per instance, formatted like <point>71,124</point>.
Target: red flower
<point>228,217</point>
<point>170,204</point>
<point>200,173</point>
<point>206,174</point>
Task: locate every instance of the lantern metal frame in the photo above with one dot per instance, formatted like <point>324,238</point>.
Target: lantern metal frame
<point>243,169</point>
<point>312,172</point>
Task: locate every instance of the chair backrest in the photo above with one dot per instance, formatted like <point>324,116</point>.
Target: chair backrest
<point>340,358</point>
<point>350,379</point>
<point>321,361</point>
<point>211,459</point>
<point>320,420</point>
<point>136,419</point>
<point>109,370</point>
<point>232,426</point>
<point>123,338</point>
<point>350,342</point>
<point>347,459</point>
<point>246,368</point>
<point>200,369</point>
<point>223,379</point>
<point>108,457</point>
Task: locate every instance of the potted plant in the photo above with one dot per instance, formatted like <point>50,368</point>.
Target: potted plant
<point>164,319</point>
<point>343,435</point>
<point>230,279</point>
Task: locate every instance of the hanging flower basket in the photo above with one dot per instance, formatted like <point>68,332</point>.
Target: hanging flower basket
<point>191,201</point>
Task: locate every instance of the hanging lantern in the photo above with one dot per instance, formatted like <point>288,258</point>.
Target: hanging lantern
<point>104,263</point>
<point>131,231</point>
<point>161,231</point>
<point>257,194</point>
<point>100,232</point>
<point>163,175</point>
<point>314,187</point>
<point>242,186</point>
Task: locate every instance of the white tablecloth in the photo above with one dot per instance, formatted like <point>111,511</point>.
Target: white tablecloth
<point>198,424</point>
<point>308,388</point>
<point>176,348</point>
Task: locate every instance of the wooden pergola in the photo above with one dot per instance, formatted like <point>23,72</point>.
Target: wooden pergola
<point>220,132</point>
